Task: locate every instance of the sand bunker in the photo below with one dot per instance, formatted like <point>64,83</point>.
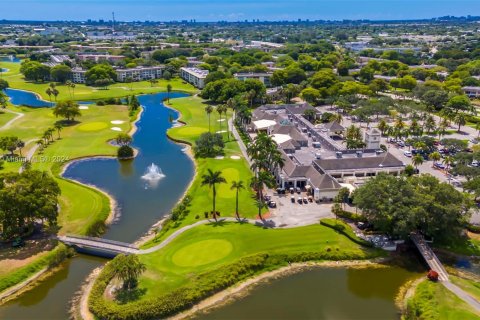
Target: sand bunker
<point>117,121</point>
<point>220,157</point>
<point>83,107</point>
<point>235,157</point>
<point>116,129</point>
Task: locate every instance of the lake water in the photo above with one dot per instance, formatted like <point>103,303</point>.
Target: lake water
<point>324,293</point>
<point>21,97</point>
<point>140,206</point>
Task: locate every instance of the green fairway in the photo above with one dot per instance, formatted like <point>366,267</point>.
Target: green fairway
<point>81,206</point>
<point>208,247</point>
<point>83,92</point>
<point>193,113</point>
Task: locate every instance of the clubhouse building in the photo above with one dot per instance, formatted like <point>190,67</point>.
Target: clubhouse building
<point>315,155</point>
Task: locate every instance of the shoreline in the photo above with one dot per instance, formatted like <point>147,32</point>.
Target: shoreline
<point>244,288</point>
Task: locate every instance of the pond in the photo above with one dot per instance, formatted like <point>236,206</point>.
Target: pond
<point>141,204</point>
<point>9,59</point>
<point>321,293</point>
<point>26,98</point>
<point>31,99</point>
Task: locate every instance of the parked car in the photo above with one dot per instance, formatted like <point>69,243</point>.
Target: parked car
<point>266,198</point>
<point>300,200</point>
<point>407,154</point>
<point>291,191</point>
<point>299,190</point>
<point>305,200</point>
<point>292,198</point>
<point>272,204</point>
<point>439,165</point>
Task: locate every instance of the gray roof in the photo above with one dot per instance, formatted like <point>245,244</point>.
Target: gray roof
<point>321,181</point>
<point>299,108</point>
<point>290,130</point>
<point>385,160</point>
<point>334,126</point>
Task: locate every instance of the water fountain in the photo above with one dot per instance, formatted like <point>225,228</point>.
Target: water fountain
<point>152,175</point>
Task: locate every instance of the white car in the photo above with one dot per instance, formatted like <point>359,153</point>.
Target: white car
<point>407,154</point>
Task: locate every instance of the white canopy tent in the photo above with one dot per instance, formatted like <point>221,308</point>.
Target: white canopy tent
<point>281,138</point>
<point>264,124</point>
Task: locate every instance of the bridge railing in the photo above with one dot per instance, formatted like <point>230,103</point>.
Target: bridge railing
<point>102,240</point>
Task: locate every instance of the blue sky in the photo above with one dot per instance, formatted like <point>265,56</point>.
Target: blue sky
<point>234,10</point>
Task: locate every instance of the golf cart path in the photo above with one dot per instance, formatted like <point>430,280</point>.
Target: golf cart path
<point>10,122</point>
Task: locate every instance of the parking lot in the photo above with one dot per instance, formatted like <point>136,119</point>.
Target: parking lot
<point>292,214</point>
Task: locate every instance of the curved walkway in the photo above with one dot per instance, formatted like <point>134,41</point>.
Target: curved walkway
<point>10,122</point>
<point>174,235</point>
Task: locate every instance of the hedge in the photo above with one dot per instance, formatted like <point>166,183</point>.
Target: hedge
<point>345,230</point>
<point>473,228</point>
<point>201,286</point>
<point>352,216</point>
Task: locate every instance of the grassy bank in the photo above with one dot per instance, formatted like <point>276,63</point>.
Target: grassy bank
<point>83,92</point>
<point>83,210</point>
<point>432,301</point>
<point>210,258</point>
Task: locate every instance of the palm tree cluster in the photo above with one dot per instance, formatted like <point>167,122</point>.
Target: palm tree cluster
<point>47,136</point>
<point>354,138</point>
<point>52,90</point>
<point>266,159</point>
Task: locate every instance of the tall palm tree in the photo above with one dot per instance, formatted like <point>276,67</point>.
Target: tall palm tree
<point>209,110</point>
<point>169,90</point>
<point>49,92</point>
<point>460,119</point>
<point>221,109</point>
<point>212,179</point>
<point>58,126</point>
<point>237,186</point>
<point>417,160</point>
<point>435,157</point>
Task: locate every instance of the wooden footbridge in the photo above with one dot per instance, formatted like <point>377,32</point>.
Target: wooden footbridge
<point>429,256</point>
<point>98,246</point>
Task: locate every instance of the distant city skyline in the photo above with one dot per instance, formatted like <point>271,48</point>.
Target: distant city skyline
<point>234,10</point>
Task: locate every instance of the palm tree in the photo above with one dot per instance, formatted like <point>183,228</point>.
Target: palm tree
<point>461,120</point>
<point>49,92</point>
<point>435,156</point>
<point>448,161</point>
<point>208,110</point>
<point>40,144</point>
<point>417,160</point>
<point>212,179</point>
<point>72,85</point>
<point>169,89</point>
<point>128,268</point>
<point>55,93</point>
<point>237,186</point>
<point>260,204</point>
<point>383,126</point>
<point>58,126</point>
<point>69,86</point>
<point>221,109</point>
<point>430,124</point>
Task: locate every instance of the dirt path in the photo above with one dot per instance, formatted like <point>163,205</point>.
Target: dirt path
<point>10,122</point>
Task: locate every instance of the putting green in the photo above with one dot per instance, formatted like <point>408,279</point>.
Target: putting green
<point>190,131</point>
<point>202,252</point>
<point>93,126</point>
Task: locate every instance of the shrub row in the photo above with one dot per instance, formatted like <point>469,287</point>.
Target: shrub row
<point>50,260</point>
<point>201,286</point>
<point>345,230</point>
<point>351,216</point>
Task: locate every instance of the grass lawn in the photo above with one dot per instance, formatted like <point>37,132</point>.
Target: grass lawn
<point>208,247</point>
<point>193,113</point>
<point>5,117</point>
<point>83,92</point>
<point>434,301</point>
<point>80,206</point>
